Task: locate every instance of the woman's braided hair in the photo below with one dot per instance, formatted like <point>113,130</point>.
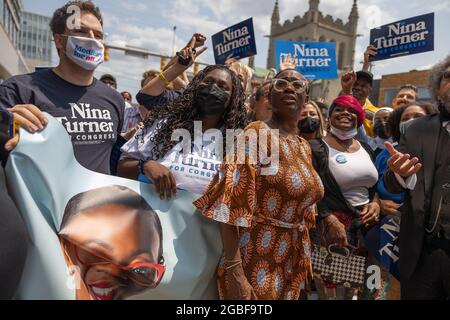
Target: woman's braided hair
<point>181,113</point>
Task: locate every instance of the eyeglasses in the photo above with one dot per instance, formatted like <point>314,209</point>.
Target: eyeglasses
<point>298,85</point>
<point>142,273</point>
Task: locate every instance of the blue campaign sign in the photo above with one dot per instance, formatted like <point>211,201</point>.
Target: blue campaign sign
<point>238,41</point>
<point>382,242</point>
<point>314,60</point>
<point>405,37</point>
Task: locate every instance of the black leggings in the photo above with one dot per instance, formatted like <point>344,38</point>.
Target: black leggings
<point>13,243</point>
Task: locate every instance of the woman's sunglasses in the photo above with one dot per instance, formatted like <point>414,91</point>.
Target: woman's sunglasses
<point>282,84</point>
<point>142,273</point>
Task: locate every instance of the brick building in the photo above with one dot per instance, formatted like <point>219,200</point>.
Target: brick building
<point>389,85</point>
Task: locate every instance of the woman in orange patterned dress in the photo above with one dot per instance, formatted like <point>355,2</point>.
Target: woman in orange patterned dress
<point>265,218</point>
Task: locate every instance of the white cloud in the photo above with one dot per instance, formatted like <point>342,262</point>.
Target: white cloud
<point>148,24</point>
<point>209,17</point>
<point>134,7</point>
<point>154,39</point>
<point>441,7</point>
<point>197,24</point>
<point>231,8</point>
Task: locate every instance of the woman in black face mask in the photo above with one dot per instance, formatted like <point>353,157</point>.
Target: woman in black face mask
<point>215,99</point>
<point>381,129</point>
<point>311,123</point>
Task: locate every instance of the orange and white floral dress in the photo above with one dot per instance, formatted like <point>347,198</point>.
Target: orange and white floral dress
<point>274,213</point>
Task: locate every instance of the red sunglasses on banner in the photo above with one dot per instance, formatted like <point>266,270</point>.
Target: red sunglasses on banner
<point>143,273</point>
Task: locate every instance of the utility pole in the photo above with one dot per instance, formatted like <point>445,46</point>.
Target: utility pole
<point>173,40</point>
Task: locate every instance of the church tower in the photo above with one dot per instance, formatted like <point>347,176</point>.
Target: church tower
<point>313,15</point>
<point>316,26</point>
<point>273,30</point>
<point>353,29</point>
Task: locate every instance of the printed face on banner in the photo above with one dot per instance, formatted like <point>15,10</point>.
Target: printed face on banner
<point>237,41</point>
<point>405,37</point>
<point>314,60</point>
<point>101,237</point>
<point>114,239</point>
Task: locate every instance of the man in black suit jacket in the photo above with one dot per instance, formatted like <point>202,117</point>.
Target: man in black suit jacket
<point>425,224</point>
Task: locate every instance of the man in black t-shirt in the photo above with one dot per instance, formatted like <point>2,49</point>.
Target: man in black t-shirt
<point>92,115</point>
<point>90,111</point>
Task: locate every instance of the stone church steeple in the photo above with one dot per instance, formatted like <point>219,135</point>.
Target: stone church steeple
<point>275,25</point>
<point>353,17</point>
<point>276,15</point>
<point>313,12</point>
<point>313,26</point>
<point>314,5</point>
<point>353,30</point>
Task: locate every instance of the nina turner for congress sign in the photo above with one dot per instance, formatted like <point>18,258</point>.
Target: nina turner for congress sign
<point>314,60</point>
<point>238,41</point>
<point>405,37</point>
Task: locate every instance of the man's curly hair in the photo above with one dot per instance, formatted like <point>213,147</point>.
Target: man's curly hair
<point>181,113</point>
<point>436,73</point>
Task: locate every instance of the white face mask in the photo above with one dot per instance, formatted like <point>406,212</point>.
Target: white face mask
<point>343,135</point>
<point>86,52</point>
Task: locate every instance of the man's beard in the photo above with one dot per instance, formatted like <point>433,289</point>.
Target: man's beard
<point>444,107</point>
<point>446,102</point>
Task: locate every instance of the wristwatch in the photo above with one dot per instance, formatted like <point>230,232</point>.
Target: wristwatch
<point>184,61</point>
<point>141,165</point>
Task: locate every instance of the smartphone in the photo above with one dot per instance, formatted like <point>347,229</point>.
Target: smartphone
<point>7,126</point>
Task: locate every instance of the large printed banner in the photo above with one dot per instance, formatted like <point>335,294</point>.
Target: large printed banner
<point>238,40</point>
<point>314,60</point>
<point>404,37</point>
<point>101,237</point>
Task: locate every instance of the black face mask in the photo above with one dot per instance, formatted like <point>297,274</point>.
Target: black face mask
<point>380,129</point>
<point>309,125</point>
<point>210,99</point>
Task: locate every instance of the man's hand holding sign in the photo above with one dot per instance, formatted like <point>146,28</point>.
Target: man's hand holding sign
<point>28,117</point>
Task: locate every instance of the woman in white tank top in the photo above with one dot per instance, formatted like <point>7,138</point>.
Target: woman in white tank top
<point>349,175</point>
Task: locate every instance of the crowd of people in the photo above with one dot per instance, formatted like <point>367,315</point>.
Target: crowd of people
<point>341,168</point>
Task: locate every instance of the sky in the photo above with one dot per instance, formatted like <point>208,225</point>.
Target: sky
<point>149,24</point>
